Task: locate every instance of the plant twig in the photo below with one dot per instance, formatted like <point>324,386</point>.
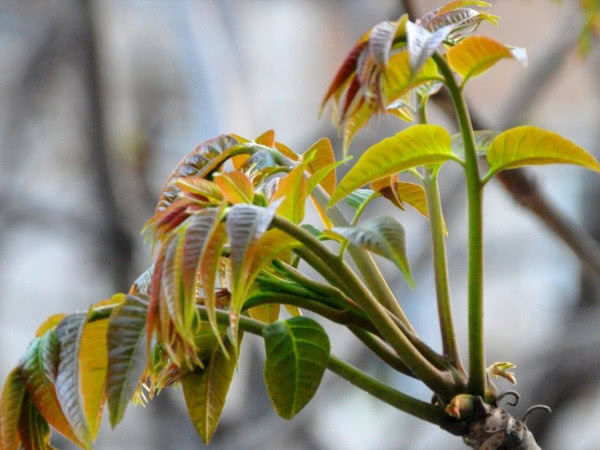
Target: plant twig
<point>475,260</point>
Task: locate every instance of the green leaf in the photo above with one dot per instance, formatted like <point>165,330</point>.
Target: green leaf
<point>528,145</point>
<point>476,54</point>
<point>34,431</point>
<point>39,370</point>
<point>11,403</point>
<point>125,354</point>
<point>68,386</point>
<point>415,146</point>
<point>297,354</point>
<point>359,197</point>
<point>383,236</point>
<point>205,391</point>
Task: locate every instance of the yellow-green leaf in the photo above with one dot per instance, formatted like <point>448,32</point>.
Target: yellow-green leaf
<point>292,189</point>
<point>399,79</point>
<point>11,403</point>
<point>319,156</point>
<point>357,119</point>
<point>528,145</point>
<point>415,146</point>
<point>475,54</point>
<point>205,391</point>
<point>235,186</point>
<point>93,360</point>
<point>49,324</point>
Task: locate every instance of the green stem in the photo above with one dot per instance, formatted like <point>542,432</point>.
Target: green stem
<point>343,317</point>
<point>381,349</point>
<point>476,384</point>
<point>442,287</point>
<point>364,263</point>
<point>436,380</point>
<point>410,405</point>
<point>358,378</point>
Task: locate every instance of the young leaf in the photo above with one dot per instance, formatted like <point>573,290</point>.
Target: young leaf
<point>319,156</point>
<point>205,391</point>
<point>475,54</point>
<point>267,138</point>
<point>383,236</point>
<point>11,403</point>
<point>463,21</point>
<point>528,145</point>
<point>422,44</point>
<point>68,382</point>
<point>193,164</point>
<point>399,192</point>
<point>125,354</point>
<point>235,186</point>
<point>297,353</point>
<point>399,78</point>
<point>245,223</point>
<point>38,370</point>
<point>49,324</point>
<point>286,151</point>
<point>34,431</point>
<point>199,187</point>
<point>93,361</point>
<point>207,275</point>
<point>292,190</point>
<point>381,37</point>
<point>358,119</point>
<point>415,146</point>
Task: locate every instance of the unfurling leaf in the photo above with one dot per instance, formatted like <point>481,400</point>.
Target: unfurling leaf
<point>476,54</point>
<point>463,17</point>
<point>11,403</point>
<point>502,369</point>
<point>399,78</point>
<point>415,146</point>
<point>297,354</point>
<point>422,43</point>
<point>383,236</point>
<point>125,354</point>
<point>528,145</point>
<point>205,391</point>
<point>49,324</point>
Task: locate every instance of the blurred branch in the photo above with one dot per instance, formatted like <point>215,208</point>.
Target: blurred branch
<point>119,240</point>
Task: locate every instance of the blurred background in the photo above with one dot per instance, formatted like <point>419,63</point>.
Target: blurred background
<point>100,99</point>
